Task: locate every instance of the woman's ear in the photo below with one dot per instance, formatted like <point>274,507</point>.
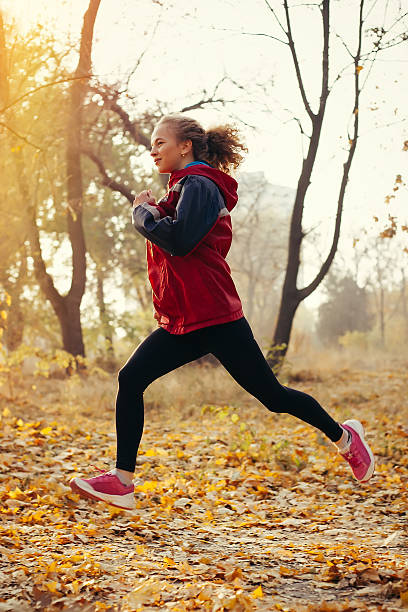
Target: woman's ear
<point>188,146</point>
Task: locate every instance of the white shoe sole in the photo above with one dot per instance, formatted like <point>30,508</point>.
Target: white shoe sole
<point>360,430</point>
<point>126,502</point>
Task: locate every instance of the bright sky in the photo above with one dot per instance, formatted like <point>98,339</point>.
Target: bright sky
<point>192,50</point>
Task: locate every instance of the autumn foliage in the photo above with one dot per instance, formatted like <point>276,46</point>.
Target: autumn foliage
<point>237,508</point>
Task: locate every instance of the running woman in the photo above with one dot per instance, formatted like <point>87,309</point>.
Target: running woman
<point>188,235</point>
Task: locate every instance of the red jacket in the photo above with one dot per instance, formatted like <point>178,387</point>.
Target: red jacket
<point>189,234</point>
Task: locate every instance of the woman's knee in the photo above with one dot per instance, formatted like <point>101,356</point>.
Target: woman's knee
<point>131,378</point>
<point>278,401</point>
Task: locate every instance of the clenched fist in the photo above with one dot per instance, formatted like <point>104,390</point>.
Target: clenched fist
<point>144,196</point>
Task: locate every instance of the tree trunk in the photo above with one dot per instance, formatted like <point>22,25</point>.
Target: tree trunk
<point>66,311</point>
<point>382,317</point>
<point>15,319</point>
<point>104,318</point>
<point>71,323</point>
<point>142,298</point>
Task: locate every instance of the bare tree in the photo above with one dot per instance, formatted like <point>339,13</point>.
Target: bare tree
<point>291,295</point>
<point>380,275</point>
<point>382,280</point>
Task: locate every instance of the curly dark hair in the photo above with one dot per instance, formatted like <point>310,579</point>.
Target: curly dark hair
<point>220,145</point>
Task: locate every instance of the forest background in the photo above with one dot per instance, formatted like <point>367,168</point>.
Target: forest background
<point>236,507</point>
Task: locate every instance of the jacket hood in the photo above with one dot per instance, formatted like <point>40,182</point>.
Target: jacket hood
<point>226,183</point>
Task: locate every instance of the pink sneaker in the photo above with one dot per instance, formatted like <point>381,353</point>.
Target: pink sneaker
<point>359,455</point>
<point>106,487</point>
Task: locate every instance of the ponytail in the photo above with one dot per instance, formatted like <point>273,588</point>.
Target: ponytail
<point>224,146</point>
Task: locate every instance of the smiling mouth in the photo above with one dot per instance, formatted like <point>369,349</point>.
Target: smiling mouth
<point>157,160</point>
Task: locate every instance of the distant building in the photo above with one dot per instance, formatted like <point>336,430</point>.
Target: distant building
<point>274,198</point>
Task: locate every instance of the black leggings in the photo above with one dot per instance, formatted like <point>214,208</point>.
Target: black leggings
<point>234,345</point>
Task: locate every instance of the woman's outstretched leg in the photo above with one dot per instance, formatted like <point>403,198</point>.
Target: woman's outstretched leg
<point>158,353</point>
<point>235,347</point>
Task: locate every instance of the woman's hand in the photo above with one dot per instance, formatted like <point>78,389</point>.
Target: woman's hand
<point>144,196</point>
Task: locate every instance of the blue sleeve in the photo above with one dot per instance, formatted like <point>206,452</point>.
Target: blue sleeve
<point>198,208</point>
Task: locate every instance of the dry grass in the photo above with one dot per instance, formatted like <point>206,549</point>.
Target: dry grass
<point>182,392</point>
<point>328,360</point>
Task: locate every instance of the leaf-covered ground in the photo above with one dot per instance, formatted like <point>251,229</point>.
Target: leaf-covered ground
<point>237,508</point>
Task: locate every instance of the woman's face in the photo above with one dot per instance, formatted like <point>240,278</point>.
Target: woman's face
<point>166,151</point>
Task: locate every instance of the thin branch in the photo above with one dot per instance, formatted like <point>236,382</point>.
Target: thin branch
<point>296,63</point>
<point>20,136</point>
<point>32,91</point>
<point>369,10</point>
<point>139,60</point>
<point>251,34</point>
<point>106,179</point>
<point>202,103</point>
<point>110,103</point>
<point>210,100</point>
<point>274,14</point>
